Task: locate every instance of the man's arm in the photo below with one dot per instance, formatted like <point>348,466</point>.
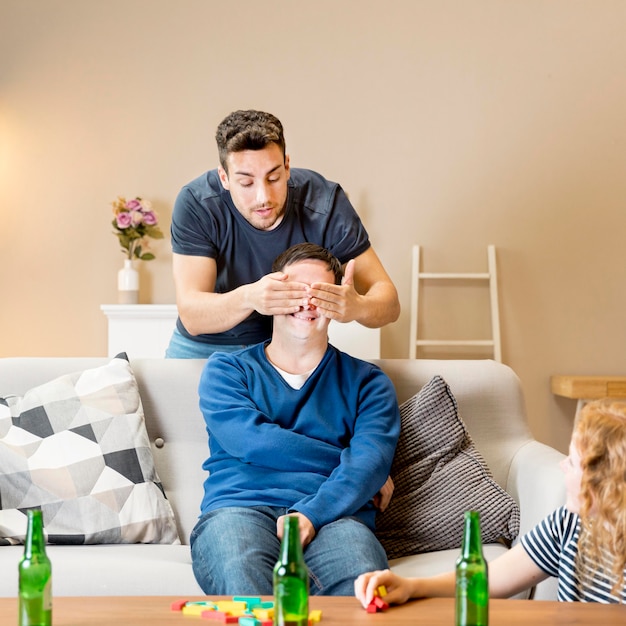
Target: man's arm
<point>201,310</point>
<point>365,463</point>
<point>366,294</point>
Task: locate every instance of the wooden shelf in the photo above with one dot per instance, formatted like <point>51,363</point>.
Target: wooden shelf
<point>589,387</point>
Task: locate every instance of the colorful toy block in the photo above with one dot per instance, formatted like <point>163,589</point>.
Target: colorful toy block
<point>315,616</point>
<point>178,605</point>
<point>231,606</point>
<point>196,608</point>
<point>249,600</point>
<point>219,616</point>
<point>244,610</point>
<point>380,603</point>
<point>263,614</point>
<point>377,603</point>
<point>371,607</point>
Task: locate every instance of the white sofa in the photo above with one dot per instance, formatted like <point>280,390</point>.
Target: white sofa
<point>490,402</point>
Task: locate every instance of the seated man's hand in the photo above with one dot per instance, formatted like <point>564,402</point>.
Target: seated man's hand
<point>383,497</point>
<point>307,531</point>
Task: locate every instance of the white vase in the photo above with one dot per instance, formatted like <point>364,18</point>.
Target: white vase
<point>128,283</point>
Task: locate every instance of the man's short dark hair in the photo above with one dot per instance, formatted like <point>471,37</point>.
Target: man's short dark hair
<point>248,130</point>
<point>307,252</point>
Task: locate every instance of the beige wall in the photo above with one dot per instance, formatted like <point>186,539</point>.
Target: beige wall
<point>451,124</point>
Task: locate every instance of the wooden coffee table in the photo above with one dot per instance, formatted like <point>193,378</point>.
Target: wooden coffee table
<point>155,611</point>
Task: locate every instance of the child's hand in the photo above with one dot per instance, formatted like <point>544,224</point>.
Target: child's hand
<point>398,588</point>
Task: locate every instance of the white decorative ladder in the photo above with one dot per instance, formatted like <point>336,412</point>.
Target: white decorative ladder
<point>490,276</point>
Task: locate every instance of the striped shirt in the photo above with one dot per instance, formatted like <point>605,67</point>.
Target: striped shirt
<point>553,546</point>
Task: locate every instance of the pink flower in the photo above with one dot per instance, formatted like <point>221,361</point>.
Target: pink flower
<point>134,205</point>
<point>123,219</point>
<point>150,218</point>
<point>134,223</point>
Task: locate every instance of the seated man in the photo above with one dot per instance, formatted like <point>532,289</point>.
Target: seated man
<point>295,426</point>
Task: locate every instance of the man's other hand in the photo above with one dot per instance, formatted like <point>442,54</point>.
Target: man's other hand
<point>307,531</point>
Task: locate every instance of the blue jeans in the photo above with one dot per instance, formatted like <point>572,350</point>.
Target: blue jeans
<point>234,551</point>
<point>181,347</point>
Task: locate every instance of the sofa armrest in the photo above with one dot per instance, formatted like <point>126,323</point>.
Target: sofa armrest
<point>536,482</point>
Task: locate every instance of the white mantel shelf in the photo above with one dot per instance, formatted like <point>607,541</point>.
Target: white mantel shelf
<point>144,330</point>
<point>140,330</point>
<point>149,311</point>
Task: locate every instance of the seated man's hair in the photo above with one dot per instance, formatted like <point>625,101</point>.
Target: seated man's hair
<point>248,130</point>
<point>306,252</point>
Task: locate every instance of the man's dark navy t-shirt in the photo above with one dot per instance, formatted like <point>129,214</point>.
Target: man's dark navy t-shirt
<point>206,223</point>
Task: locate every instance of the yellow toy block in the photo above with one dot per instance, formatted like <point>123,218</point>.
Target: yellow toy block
<point>196,609</point>
<point>263,614</point>
<point>315,616</point>
<point>230,606</point>
<point>381,591</point>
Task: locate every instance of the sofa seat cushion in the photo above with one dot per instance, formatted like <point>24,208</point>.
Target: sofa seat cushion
<point>112,570</point>
<point>440,562</point>
<point>77,447</point>
<point>438,474</point>
<point>434,563</point>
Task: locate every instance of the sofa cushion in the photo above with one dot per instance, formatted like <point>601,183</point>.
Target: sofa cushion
<point>438,474</point>
<point>77,447</point>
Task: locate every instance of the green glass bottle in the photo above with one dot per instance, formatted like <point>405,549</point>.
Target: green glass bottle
<point>35,576</point>
<point>291,579</point>
<point>472,580</point>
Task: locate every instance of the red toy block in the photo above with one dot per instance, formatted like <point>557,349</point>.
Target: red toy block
<point>220,616</point>
<point>178,605</point>
<point>212,614</point>
<point>380,603</point>
<point>371,607</point>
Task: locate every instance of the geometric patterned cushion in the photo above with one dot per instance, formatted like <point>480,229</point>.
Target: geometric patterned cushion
<point>438,474</point>
<point>77,447</point>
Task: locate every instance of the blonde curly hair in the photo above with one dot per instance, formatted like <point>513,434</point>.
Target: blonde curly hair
<point>600,438</point>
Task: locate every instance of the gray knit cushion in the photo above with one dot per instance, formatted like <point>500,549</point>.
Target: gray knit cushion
<point>438,474</point>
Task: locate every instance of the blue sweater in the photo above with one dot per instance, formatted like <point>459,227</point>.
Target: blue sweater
<point>324,450</point>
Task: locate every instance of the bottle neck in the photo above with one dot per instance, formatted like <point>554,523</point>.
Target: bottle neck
<point>291,547</point>
<point>35,542</point>
<point>472,544</point>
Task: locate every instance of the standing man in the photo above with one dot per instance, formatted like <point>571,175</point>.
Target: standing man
<point>296,427</point>
<point>228,226</point>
